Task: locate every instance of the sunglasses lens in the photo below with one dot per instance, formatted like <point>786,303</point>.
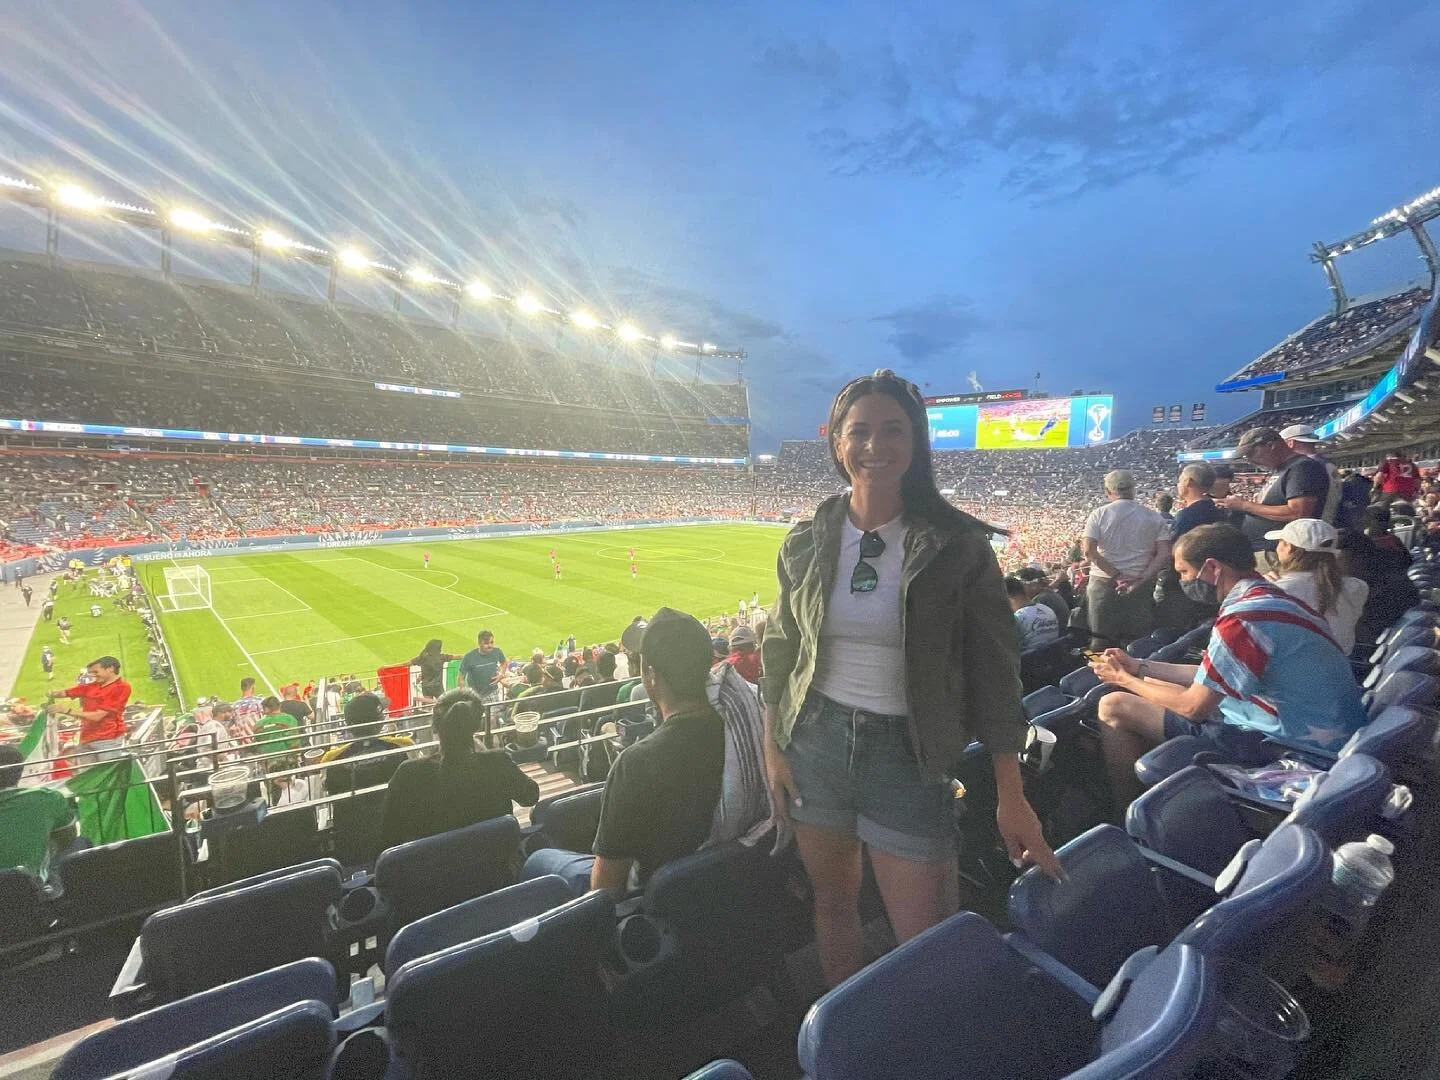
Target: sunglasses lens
<point>872,545</point>
<point>864,579</point>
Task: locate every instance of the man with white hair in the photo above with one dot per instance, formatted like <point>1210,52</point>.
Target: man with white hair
<point>1127,545</point>
<point>1301,439</point>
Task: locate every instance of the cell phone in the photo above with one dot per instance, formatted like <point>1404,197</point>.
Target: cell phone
<point>1090,654</point>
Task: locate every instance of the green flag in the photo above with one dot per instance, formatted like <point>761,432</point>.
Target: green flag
<point>113,802</point>
<point>33,739</point>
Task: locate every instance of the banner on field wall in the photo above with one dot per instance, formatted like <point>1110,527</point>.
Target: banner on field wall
<point>259,545</point>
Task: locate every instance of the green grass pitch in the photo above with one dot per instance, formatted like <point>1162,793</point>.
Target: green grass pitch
<point>289,617</point>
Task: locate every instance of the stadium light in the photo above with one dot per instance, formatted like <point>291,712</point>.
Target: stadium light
<point>420,275</point>
<point>478,290</point>
<point>706,347</point>
<point>190,220</point>
<point>272,239</point>
<point>628,332</point>
<point>667,341</point>
<point>76,197</point>
<point>528,304</point>
<point>354,259</point>
<point>584,320</point>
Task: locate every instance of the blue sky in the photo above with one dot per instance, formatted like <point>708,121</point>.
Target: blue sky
<point>1119,197</point>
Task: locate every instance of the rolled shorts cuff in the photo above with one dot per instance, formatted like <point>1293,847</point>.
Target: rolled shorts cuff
<point>920,849</point>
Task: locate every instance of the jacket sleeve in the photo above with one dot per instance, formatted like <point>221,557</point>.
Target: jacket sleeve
<point>782,635</point>
<point>992,657</point>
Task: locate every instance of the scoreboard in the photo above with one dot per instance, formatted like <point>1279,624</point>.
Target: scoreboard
<point>1016,422</point>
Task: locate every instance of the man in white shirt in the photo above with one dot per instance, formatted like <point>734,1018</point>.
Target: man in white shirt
<point>1127,545</point>
<point>1036,623</point>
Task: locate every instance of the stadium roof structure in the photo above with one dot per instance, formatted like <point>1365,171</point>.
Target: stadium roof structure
<point>61,197</point>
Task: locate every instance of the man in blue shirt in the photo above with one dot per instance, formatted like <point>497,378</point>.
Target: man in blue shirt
<point>481,668</point>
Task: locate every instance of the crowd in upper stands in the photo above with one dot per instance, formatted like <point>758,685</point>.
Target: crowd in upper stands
<point>1334,337</point>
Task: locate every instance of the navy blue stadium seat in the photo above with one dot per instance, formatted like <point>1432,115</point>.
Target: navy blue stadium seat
<point>239,931</point>
<point>1344,803</point>
<point>28,914</point>
<point>1397,734</point>
<point>710,927</point>
<point>1409,658</point>
<point>958,1001</point>
<point>1046,700</point>
<point>1402,688</point>
<point>294,1043</point>
<point>424,876</point>
<point>356,827</point>
<point>127,877</point>
<point>1398,638</point>
<point>286,836</point>
<point>523,1001</point>
<point>1192,640</point>
<point>1171,756</point>
<point>173,1027</point>
<point>1079,921</point>
<point>568,820</point>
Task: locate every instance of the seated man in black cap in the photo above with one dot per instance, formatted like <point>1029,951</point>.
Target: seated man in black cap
<point>661,793</point>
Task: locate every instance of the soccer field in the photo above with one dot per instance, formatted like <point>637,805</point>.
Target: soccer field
<point>294,617</point>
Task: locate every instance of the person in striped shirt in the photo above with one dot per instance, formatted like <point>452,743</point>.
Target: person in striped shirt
<point>1271,667</point>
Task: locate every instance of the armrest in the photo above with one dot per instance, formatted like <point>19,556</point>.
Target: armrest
<point>1179,868</point>
<point>1052,967</point>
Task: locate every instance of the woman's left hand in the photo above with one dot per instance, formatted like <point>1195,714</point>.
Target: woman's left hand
<point>1024,838</point>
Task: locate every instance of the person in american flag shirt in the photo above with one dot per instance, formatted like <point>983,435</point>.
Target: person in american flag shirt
<point>1271,668</point>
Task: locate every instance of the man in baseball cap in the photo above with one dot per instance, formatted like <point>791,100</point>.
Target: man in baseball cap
<point>1298,489</point>
<point>1301,439</point>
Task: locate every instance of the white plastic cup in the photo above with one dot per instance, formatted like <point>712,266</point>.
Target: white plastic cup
<point>228,786</point>
<point>1046,740</point>
<point>527,724</point>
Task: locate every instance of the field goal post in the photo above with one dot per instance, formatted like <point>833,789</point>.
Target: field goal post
<point>187,588</point>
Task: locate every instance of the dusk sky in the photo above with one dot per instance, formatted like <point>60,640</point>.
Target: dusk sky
<point>1116,196</point>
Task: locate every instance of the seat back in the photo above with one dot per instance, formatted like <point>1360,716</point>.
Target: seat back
<point>1402,688</point>
<point>1401,636</point>
<point>953,1001</point>
<point>1079,682</point>
<point>238,932</point>
<point>22,899</point>
<point>300,1036</point>
<point>572,819</point>
<point>1165,1020</point>
<point>171,1028</point>
<point>525,1001</point>
<point>356,827</point>
<point>722,1070</point>
<point>475,918</point>
<point>268,875</point>
<point>1080,921</point>
<point>1396,733</point>
<point>1046,699</point>
<point>124,877</point>
<point>424,876</point>
<point>1344,803</point>
<point>1281,878</point>
<point>1188,817</point>
<point>285,837</point>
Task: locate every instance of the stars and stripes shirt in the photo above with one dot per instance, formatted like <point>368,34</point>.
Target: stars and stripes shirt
<point>1273,660</point>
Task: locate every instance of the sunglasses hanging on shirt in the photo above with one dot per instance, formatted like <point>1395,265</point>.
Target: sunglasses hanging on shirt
<point>864,578</point>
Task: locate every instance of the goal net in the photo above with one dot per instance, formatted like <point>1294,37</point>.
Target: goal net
<point>187,588</point>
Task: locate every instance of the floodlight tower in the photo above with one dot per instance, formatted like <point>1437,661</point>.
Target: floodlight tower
<point>1410,217</point>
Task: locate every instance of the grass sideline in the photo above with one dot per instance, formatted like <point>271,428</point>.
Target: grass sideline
<point>293,617</point>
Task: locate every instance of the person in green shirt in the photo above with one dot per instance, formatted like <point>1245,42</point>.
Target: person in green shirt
<point>34,821</point>
<point>275,722</point>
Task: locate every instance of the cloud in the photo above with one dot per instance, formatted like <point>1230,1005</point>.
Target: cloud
<point>1060,108</point>
<point>931,328</point>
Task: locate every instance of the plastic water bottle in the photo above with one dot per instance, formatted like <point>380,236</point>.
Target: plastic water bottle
<point>1361,873</point>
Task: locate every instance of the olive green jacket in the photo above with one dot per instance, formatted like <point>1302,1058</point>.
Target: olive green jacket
<point>962,651</point>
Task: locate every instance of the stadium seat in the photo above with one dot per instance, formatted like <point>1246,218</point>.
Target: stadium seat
<point>1402,688</point>
<point>1397,736</point>
<point>722,1070</point>
<point>127,877</point>
<point>173,1027</point>
<point>28,914</point>
<point>238,931</point>
<point>1265,886</point>
<point>708,930</point>
<point>356,827</point>
<point>1171,756</point>
<point>423,876</point>
<point>286,836</point>
<point>958,1001</point>
<point>568,820</point>
<point>1416,658</point>
<point>1393,640</point>
<point>1195,818</point>
<point>523,1001</point>
<point>298,1035</point>
<point>1192,640</point>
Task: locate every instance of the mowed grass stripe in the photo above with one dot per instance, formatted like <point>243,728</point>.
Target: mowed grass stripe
<point>372,606</point>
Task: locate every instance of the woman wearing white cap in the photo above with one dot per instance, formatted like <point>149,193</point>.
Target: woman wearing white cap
<point>1308,555</point>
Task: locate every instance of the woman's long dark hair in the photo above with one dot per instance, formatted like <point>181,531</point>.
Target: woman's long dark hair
<point>431,651</point>
<point>918,492</point>
<point>459,714</point>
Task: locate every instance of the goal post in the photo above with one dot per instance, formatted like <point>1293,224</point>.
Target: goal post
<point>187,588</point>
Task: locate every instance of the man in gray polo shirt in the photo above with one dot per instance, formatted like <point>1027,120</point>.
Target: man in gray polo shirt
<point>1127,545</point>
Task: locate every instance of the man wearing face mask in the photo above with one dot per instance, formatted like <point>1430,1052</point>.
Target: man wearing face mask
<point>1271,667</point>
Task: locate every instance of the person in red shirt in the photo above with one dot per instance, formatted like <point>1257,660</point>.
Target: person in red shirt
<point>745,654</point>
<point>101,709</point>
<point>1398,476</point>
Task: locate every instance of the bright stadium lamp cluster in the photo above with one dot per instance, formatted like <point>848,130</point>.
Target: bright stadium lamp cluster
<point>64,196</point>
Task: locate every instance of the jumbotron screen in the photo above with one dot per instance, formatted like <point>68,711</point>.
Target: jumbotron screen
<point>1030,424</point>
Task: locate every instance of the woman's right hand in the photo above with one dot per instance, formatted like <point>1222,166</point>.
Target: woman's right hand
<point>780,779</point>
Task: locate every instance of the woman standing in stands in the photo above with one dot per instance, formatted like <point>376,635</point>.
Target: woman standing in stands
<point>891,645</point>
<point>431,663</point>
<point>458,788</point>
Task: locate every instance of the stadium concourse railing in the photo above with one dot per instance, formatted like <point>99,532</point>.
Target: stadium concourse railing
<point>171,772</point>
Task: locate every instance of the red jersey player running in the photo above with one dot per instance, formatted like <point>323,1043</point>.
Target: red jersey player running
<point>101,709</point>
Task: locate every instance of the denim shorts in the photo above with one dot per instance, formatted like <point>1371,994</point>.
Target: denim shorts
<point>857,772</point>
<point>1240,745</point>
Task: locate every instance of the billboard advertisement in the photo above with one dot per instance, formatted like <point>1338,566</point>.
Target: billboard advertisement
<point>1028,424</point>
